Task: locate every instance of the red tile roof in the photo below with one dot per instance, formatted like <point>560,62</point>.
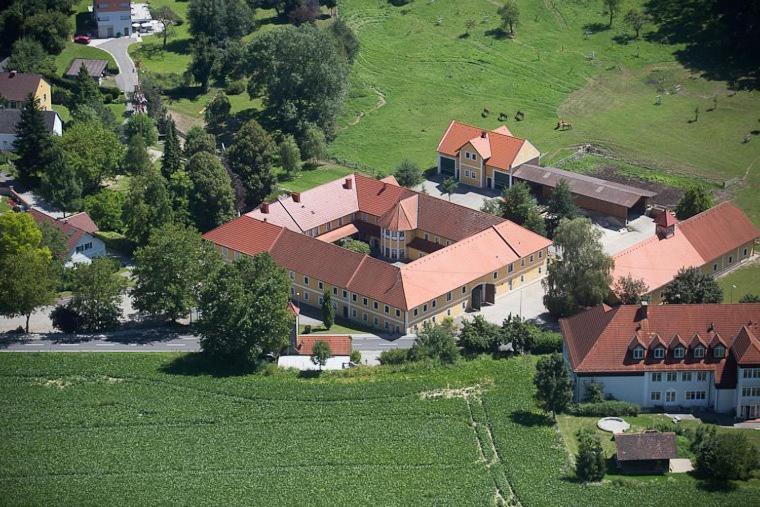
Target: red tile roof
<point>402,217</point>
<point>245,235</point>
<point>718,230</point>
<point>695,242</point>
<point>73,230</point>
<point>597,340</point>
<point>497,147</point>
<point>339,345</point>
<point>666,219</point>
<point>378,197</point>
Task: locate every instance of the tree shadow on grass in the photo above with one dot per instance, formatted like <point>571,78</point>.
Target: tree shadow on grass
<point>714,486</point>
<point>184,92</point>
<point>309,374</point>
<point>623,39</point>
<point>525,418</point>
<point>593,28</point>
<point>196,364</point>
<point>498,33</point>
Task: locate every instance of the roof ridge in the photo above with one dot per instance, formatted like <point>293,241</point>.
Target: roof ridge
<point>506,241</point>
<point>705,212</point>
<point>490,131</point>
<point>604,328</point>
<point>290,215</point>
<point>356,270</point>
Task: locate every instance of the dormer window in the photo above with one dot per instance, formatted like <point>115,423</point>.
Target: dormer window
<point>659,352</point>
<point>679,352</point>
<point>699,352</point>
<point>638,353</point>
<point>719,351</point>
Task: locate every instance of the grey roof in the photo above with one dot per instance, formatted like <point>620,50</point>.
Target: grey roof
<point>582,184</point>
<point>9,118</point>
<point>95,68</point>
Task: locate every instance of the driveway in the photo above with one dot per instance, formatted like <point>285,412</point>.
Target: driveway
<point>126,80</point>
<point>526,301</point>
<point>464,195</point>
<point>617,236</point>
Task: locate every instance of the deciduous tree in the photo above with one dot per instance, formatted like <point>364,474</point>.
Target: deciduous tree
<point>408,174</point>
<point>313,144</point>
<point>561,204</point>
<point>590,463</point>
<point>105,209</point>
<point>510,15</point>
<point>346,40</point>
<point>243,310</point>
<point>636,20</point>
<point>28,55</point>
<point>519,206</point>
<point>435,341</point>
<point>217,112</point>
<point>692,286</point>
<point>170,270</point>
<point>580,274</point>
<point>302,76</point>
<point>449,186</point>
<point>143,125</point>
<point>92,151</point>
<point>629,290</point>
<point>478,335</point>
<point>612,6</point>
<point>554,390</point>
<point>147,207</point>
<point>28,282</point>
<point>219,20</point>
<point>197,140</point>
<point>320,353</point>
<point>727,456</point>
<point>96,294</point>
<point>136,158</point>
<point>290,155</point>
<point>166,16</point>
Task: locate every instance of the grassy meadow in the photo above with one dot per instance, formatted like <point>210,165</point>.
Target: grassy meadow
<point>746,279</point>
<point>94,429</point>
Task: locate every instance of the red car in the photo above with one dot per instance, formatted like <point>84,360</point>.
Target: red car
<point>82,39</point>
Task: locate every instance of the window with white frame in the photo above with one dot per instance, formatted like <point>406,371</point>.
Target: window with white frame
<point>655,396</point>
<point>678,352</point>
<point>695,395</point>
<point>686,376</point>
<point>659,352</point>
<point>719,351</point>
<point>670,397</point>
<point>657,377</point>
<point>751,373</point>
<point>699,351</point>
<point>701,376</point>
<point>671,376</point>
<point>751,391</point>
<point>638,353</point>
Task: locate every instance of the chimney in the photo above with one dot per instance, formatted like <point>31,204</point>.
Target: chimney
<point>296,196</point>
<point>642,312</point>
<point>349,184</point>
<point>264,207</point>
<point>483,134</point>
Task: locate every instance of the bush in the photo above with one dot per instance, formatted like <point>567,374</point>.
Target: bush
<point>65,319</point>
<point>110,94</point>
<point>590,463</point>
<point>604,409</point>
<point>356,356</point>
<point>61,95</point>
<point>394,356</point>
<point>547,342</point>
<point>727,456</point>
<point>435,342</point>
<point>594,393</point>
<point>235,87</point>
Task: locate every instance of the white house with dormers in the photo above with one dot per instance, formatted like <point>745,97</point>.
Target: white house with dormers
<point>669,357</point>
<point>79,231</point>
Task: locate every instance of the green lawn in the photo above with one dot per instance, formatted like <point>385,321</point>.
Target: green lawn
<point>308,178</point>
<point>72,51</point>
<point>427,74</point>
<point>117,108</point>
<point>4,206</point>
<point>746,279</point>
<point>161,428</point>
<point>175,58</point>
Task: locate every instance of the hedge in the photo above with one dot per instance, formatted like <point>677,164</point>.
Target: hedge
<point>604,409</point>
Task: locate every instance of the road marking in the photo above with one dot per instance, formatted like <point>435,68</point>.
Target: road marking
<point>177,344</point>
<point>189,338</point>
<point>105,344</point>
<point>34,344</point>
<point>68,344</point>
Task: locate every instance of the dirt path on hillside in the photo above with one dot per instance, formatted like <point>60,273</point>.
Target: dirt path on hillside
<point>381,101</point>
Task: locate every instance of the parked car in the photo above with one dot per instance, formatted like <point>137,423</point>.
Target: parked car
<point>82,39</point>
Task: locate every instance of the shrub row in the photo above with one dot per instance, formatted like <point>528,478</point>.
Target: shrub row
<point>604,409</point>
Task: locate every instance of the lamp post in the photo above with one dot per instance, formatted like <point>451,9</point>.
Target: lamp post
<point>732,292</point>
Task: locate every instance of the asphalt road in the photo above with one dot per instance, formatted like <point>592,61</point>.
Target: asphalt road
<point>126,79</point>
<point>174,343</point>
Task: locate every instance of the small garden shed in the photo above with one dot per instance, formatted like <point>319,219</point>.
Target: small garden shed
<point>648,452</point>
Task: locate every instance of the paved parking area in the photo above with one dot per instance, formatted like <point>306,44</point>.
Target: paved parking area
<point>527,301</point>
<point>617,236</point>
<point>464,195</point>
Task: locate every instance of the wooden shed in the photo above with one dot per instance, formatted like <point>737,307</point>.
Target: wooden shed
<point>648,452</point>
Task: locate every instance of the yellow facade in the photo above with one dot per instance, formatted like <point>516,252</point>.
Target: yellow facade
<point>470,166</point>
<point>44,95</point>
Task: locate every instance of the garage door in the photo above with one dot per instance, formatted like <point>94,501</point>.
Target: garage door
<point>501,180</point>
<point>447,166</point>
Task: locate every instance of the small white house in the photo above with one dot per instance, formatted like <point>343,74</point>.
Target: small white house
<point>113,17</point>
<point>9,119</point>
<point>79,230</point>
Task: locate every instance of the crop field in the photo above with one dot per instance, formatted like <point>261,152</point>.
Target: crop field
<point>96,429</point>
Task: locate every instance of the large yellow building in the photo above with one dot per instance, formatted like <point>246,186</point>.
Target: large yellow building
<point>432,259</point>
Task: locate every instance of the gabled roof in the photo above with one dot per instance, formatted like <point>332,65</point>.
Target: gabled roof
<point>598,340</point>
<point>73,230</point>
<point>718,230</point>
<point>645,446</point>
<point>696,241</point>
<point>339,345</point>
<point>498,147</point>
<point>16,86</point>
<point>666,219</point>
<point>95,68</point>
<point>746,347</point>
<point>676,340</point>
<point>9,118</point>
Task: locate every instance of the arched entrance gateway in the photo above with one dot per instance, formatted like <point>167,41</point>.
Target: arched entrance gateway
<point>483,294</point>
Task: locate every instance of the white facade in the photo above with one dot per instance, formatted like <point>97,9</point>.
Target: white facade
<point>304,363</point>
<point>748,393</point>
<point>87,248</point>
<point>114,23</point>
<point>7,139</point>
